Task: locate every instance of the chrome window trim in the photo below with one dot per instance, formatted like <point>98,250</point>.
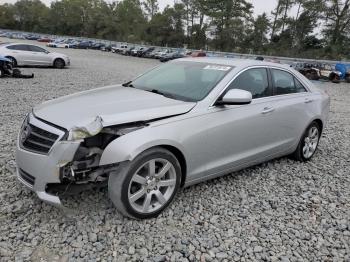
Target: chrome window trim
<point>256,99</point>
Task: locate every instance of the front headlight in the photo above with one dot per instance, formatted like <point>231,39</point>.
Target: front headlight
<point>92,129</point>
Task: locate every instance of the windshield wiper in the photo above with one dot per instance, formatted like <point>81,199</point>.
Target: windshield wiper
<point>128,84</point>
<point>155,91</point>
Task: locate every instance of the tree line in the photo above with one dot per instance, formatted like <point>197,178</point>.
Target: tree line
<point>308,28</point>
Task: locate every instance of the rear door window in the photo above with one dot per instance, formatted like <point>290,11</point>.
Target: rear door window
<point>285,83</point>
<point>299,86</point>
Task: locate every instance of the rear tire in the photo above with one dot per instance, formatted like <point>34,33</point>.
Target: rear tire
<point>334,78</point>
<point>2,73</point>
<point>144,187</point>
<point>59,63</point>
<point>308,144</point>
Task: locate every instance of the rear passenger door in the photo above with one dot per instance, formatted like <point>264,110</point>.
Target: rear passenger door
<point>290,102</point>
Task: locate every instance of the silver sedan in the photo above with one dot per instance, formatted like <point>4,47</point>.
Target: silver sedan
<point>179,124</point>
<point>31,55</point>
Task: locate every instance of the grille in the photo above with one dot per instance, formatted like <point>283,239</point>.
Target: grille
<point>36,139</point>
<point>26,177</point>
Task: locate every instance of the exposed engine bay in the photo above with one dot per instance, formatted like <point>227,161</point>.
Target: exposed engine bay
<point>84,172</point>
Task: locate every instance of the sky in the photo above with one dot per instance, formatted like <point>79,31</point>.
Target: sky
<point>260,5</point>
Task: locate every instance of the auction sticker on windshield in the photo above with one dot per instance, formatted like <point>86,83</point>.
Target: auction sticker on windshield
<point>217,67</point>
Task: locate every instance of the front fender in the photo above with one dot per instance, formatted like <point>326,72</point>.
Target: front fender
<point>127,147</point>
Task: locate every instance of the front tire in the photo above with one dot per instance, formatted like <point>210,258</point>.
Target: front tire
<point>308,143</point>
<point>59,63</point>
<point>144,187</point>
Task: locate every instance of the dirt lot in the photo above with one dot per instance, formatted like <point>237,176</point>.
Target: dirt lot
<point>281,210</point>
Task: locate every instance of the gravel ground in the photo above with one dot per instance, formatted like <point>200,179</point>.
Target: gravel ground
<point>279,211</point>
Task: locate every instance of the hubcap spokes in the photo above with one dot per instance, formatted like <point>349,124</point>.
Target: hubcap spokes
<point>152,185</point>
<point>311,142</point>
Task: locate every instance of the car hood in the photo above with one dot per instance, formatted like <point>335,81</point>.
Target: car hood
<point>113,104</point>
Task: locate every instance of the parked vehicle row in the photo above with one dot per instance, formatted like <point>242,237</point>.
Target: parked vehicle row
<point>318,71</point>
<point>163,54</point>
<point>312,71</point>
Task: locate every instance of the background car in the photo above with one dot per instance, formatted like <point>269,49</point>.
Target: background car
<point>32,55</point>
<point>162,53</point>
<point>97,46</point>
<point>198,54</point>
<point>44,40</point>
<point>145,51</point>
<point>344,70</point>
<point>32,37</point>
<point>137,50</point>
<point>119,49</point>
<point>84,45</point>
<point>172,56</point>
<point>107,48</point>
<point>128,51</point>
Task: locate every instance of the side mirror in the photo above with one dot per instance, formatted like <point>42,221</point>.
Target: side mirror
<point>236,97</point>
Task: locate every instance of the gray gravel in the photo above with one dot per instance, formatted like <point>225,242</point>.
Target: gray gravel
<point>279,211</point>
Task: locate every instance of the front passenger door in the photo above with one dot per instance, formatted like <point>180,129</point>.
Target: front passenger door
<point>39,56</point>
<point>245,134</point>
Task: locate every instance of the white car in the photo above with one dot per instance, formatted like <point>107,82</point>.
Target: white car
<point>119,49</point>
<point>32,55</point>
<point>63,43</point>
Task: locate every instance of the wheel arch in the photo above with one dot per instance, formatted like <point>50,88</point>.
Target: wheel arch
<point>319,122</point>
<point>122,149</point>
<point>12,58</point>
<point>58,58</point>
<point>181,158</point>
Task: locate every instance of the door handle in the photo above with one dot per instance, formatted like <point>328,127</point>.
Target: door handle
<point>267,110</point>
<point>308,100</point>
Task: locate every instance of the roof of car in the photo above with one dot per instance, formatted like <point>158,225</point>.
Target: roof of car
<point>232,62</point>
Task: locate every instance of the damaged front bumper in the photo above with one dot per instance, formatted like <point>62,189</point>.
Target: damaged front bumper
<point>36,170</point>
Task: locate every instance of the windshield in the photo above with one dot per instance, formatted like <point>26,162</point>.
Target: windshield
<point>187,81</point>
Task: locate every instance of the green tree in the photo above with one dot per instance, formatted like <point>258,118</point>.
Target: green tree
<point>337,15</point>
<point>30,15</point>
<point>151,7</point>
<point>257,40</point>
<point>231,18</point>
<point>7,16</point>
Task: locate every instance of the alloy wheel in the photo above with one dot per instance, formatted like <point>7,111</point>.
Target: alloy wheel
<point>311,142</point>
<point>152,185</point>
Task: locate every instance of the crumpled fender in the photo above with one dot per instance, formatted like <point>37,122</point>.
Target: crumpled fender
<point>127,147</point>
